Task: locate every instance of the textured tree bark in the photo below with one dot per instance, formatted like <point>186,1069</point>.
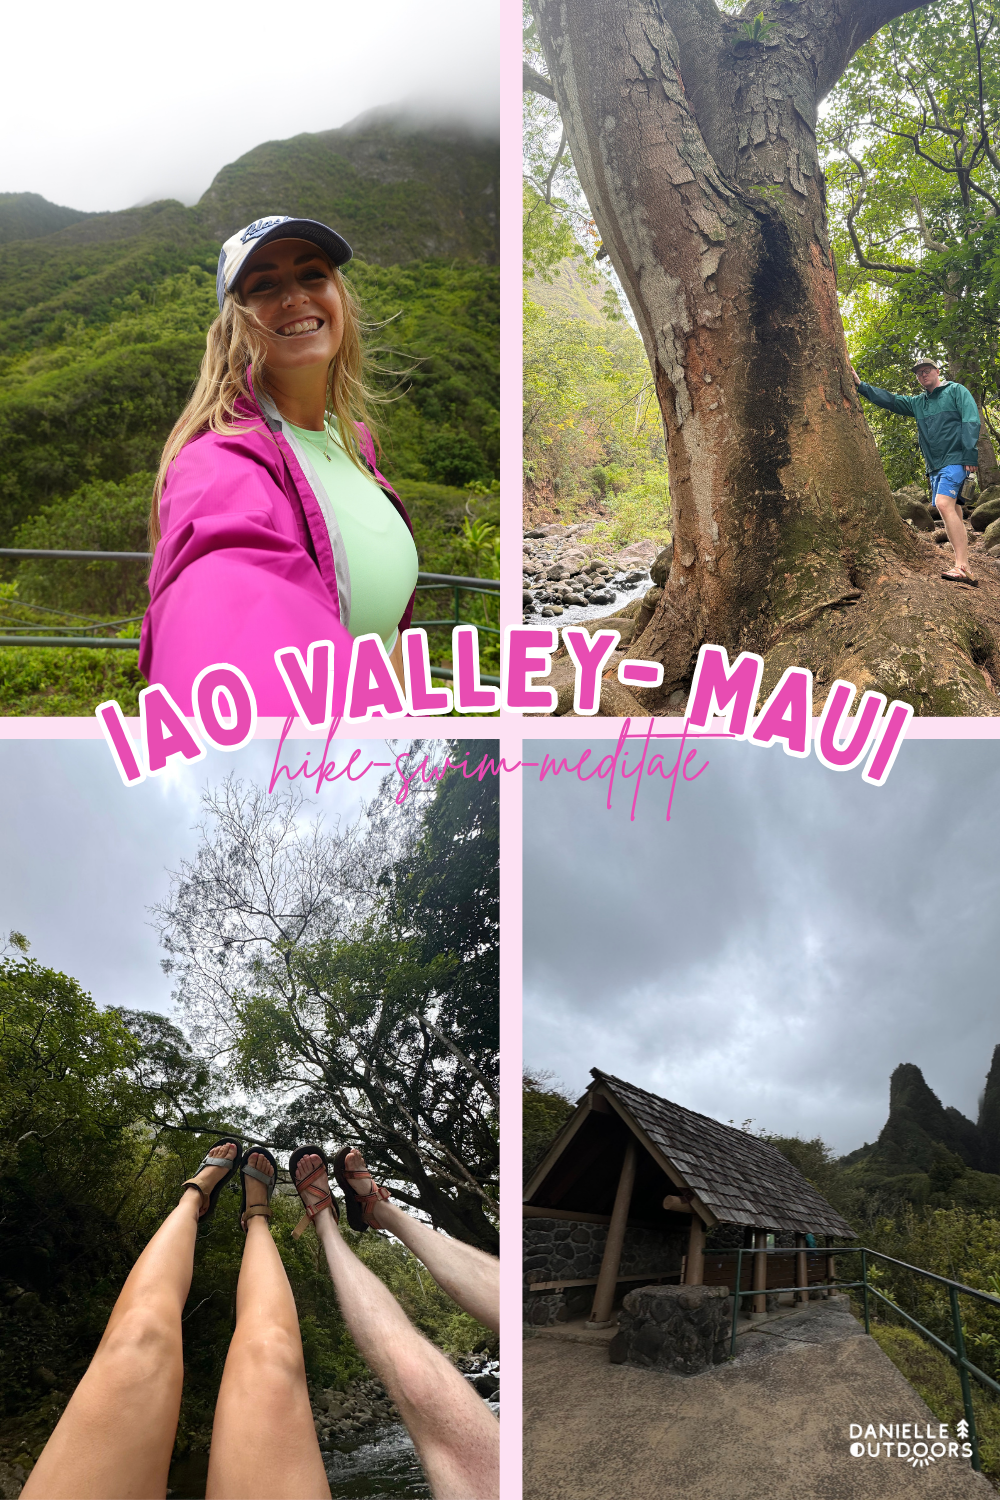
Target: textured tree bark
<point>696,150</point>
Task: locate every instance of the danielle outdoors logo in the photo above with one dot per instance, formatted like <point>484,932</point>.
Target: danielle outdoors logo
<point>917,1443</point>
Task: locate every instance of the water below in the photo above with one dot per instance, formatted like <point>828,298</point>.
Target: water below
<point>573,613</point>
<point>385,1467</point>
<point>382,1467</point>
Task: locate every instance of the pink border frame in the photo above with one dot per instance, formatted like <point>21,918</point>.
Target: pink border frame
<point>511,730</point>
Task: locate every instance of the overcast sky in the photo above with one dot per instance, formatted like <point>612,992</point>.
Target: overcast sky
<point>84,856</point>
<point>776,949</point>
<point>111,104</point>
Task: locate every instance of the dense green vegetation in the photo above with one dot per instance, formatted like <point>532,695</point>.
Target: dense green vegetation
<point>27,216</point>
<point>545,1108</point>
<point>102,328</point>
<point>95,399</point>
<point>103,1113</point>
<point>910,146</point>
<point>593,434</point>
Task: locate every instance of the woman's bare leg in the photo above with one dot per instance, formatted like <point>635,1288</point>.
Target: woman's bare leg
<point>453,1431</point>
<point>469,1276</point>
<point>115,1438</point>
<point>264,1444</point>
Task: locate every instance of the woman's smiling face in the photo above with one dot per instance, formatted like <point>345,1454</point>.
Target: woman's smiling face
<point>290,287</point>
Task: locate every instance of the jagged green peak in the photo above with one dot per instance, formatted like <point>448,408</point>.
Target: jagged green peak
<point>989,1117</point>
<point>908,1089</point>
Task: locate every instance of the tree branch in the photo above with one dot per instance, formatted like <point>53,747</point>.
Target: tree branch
<point>534,83</point>
<point>555,166</point>
<point>869,265</point>
<point>467,1062</point>
<point>924,231</point>
<point>856,23</point>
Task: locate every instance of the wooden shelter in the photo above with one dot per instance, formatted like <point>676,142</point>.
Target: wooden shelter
<point>628,1158</point>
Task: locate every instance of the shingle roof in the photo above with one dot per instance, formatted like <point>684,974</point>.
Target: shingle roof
<point>741,1179</point>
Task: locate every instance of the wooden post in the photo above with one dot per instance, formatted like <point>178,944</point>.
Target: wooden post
<point>801,1268</point>
<point>760,1271</point>
<point>694,1270</point>
<point>607,1278</point>
<point>831,1265</point>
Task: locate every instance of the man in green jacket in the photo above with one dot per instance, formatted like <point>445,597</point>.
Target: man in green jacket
<point>948,431</point>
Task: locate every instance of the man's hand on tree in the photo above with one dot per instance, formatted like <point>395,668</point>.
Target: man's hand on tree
<point>857,377</point>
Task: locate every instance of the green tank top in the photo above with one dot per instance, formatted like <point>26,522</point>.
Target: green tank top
<point>381,556</point>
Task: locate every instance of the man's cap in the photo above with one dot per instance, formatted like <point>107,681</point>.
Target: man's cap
<point>926,359</point>
<point>244,242</point>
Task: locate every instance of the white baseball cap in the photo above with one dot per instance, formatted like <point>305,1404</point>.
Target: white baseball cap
<point>244,242</point>
<point>926,359</point>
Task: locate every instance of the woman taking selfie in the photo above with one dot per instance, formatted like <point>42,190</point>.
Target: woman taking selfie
<point>272,526</point>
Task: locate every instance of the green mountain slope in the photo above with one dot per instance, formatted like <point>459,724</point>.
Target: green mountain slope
<point>397,191</point>
<point>28,216</point>
<point>102,322</point>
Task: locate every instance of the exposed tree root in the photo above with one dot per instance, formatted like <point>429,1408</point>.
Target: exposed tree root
<point>904,632</point>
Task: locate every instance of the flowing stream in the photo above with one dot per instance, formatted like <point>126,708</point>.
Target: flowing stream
<point>383,1467</point>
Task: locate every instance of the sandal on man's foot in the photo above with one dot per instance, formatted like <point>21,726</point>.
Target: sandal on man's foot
<point>232,1162</point>
<point>360,1209</point>
<point>309,1182</point>
<point>261,1210</point>
<point>960,575</point>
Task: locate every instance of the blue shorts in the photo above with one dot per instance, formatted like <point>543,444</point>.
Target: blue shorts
<point>947,481</point>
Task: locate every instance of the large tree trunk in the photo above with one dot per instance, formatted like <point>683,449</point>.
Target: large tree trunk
<point>697,153</point>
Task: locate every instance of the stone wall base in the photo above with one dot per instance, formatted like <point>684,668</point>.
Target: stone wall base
<point>683,1329</point>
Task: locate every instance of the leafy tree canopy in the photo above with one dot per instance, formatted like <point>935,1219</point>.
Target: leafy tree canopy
<point>347,978</point>
<point>911,142</point>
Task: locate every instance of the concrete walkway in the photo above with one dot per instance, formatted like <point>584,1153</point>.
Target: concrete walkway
<point>774,1422</point>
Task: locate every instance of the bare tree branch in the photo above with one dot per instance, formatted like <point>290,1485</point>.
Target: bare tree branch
<point>925,233</point>
<point>856,203</point>
<point>534,83</point>
<point>555,166</point>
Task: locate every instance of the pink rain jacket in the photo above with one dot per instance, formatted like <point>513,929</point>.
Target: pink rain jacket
<point>245,563</point>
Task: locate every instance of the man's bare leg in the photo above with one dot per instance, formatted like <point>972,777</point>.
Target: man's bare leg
<point>116,1435</point>
<point>456,1436</point>
<point>469,1276</point>
<point>264,1443</point>
<point>955,527</point>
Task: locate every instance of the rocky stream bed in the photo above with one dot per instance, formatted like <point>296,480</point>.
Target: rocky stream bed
<point>366,1449</point>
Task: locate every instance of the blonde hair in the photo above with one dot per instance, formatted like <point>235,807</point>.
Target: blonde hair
<point>236,340</point>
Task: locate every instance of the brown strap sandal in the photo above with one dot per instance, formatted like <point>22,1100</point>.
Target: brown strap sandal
<point>326,1201</point>
<point>261,1210</point>
<point>960,575</point>
<point>360,1210</point>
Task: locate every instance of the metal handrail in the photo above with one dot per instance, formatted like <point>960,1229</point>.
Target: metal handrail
<point>428,580</point>
<point>76,635</point>
<point>957,1355</point>
<point>59,552</point>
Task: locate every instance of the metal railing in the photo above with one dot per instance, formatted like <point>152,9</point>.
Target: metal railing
<point>956,1355</point>
<point>82,634</point>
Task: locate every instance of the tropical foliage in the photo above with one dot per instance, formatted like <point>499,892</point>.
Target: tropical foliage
<point>103,1113</point>
<point>911,142</point>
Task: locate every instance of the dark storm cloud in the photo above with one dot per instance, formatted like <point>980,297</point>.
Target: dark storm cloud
<point>85,857</point>
<point>778,947</point>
